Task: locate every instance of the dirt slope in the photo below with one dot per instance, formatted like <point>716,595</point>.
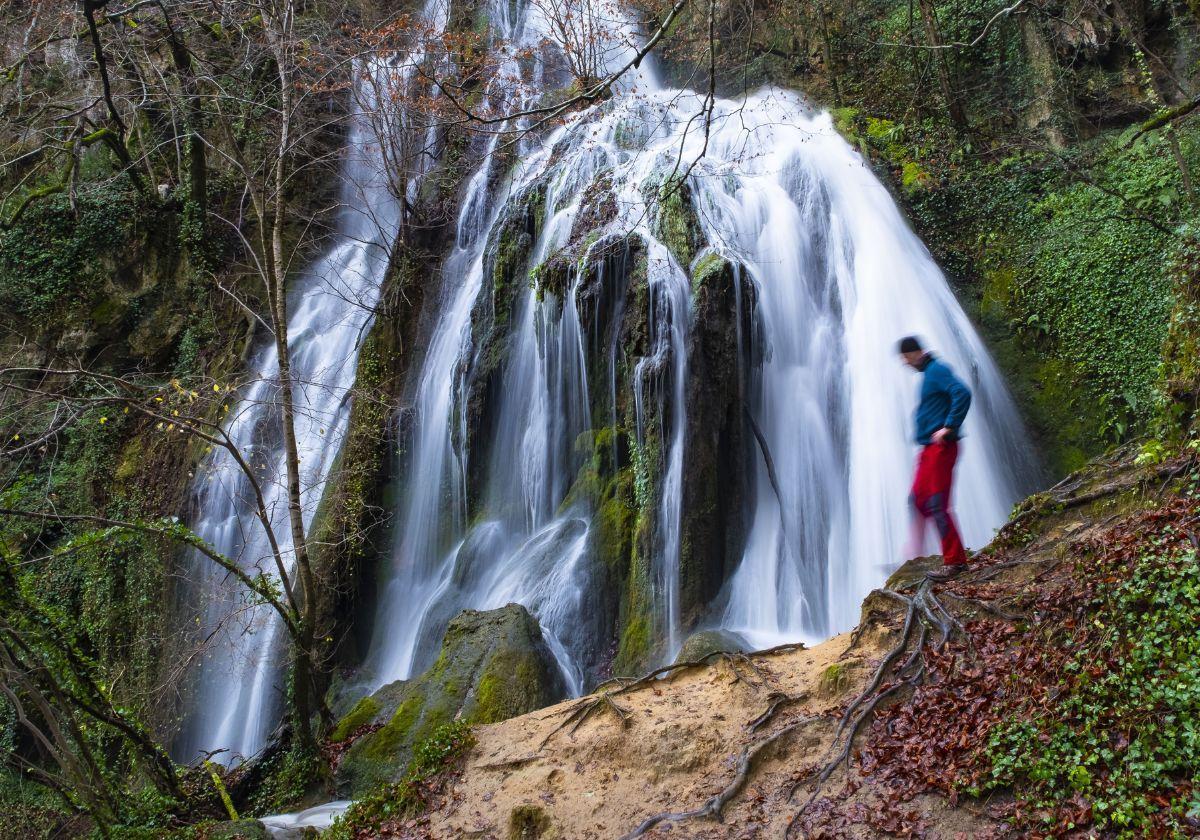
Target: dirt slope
<point>749,746</point>
<point>668,745</point>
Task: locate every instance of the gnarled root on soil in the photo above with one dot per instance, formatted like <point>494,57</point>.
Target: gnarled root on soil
<point>712,808</point>
<point>578,712</point>
<point>925,614</point>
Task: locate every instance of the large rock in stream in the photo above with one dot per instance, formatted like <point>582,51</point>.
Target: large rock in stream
<point>492,666</point>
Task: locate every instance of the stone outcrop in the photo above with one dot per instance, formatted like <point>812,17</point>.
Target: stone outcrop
<point>493,665</point>
<point>706,642</point>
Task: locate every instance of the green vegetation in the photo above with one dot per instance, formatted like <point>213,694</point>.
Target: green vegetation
<point>1074,255</point>
<point>1078,269</point>
<point>675,222</point>
<point>1123,733</point>
<point>431,758</point>
<point>492,666</point>
<point>56,257</point>
<point>362,713</point>
<point>287,777</point>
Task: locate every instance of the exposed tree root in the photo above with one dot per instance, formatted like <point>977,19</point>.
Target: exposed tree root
<point>925,614</point>
<point>584,709</point>
<point>928,626</point>
<point>986,606</point>
<point>712,808</point>
<point>603,700</point>
<point>776,701</point>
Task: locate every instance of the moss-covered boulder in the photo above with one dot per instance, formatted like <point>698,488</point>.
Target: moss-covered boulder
<point>493,665</point>
<point>706,642</point>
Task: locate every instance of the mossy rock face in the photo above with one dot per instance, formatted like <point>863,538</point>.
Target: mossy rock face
<point>705,642</point>
<point>507,276</point>
<point>719,445</point>
<point>493,665</point>
<point>365,711</point>
<point>676,224</point>
<point>912,572</point>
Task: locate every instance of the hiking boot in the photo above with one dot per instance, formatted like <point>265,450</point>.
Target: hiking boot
<point>947,572</point>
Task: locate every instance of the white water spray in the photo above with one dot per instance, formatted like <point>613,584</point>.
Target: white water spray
<point>239,690</point>
<point>838,278</point>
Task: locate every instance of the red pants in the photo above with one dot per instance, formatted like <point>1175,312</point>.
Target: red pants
<point>931,497</point>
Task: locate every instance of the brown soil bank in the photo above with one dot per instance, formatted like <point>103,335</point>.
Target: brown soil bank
<point>882,732</point>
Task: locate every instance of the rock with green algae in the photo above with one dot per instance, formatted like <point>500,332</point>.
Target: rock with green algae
<point>492,666</point>
<point>715,482</point>
<point>704,642</point>
<point>675,223</point>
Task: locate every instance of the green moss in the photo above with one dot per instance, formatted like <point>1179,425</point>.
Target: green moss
<point>397,800</point>
<point>834,680</point>
<point>527,822</point>
<point>708,269</point>
<point>363,713</point>
<point>914,177</point>
<point>675,222</point>
<point>510,250</point>
<point>492,666</point>
<point>504,690</point>
<point>614,522</point>
<point>634,647</point>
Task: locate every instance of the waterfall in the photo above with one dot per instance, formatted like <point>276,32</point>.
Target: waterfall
<point>488,515</point>
<point>839,278</point>
<point>239,690</point>
<point>522,376</point>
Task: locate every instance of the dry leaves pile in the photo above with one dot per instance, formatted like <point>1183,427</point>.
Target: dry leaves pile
<point>934,740</point>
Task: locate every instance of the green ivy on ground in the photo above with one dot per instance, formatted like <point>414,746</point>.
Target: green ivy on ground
<point>1124,734</point>
<point>27,809</point>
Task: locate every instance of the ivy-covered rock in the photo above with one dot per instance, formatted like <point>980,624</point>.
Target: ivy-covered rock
<point>493,665</point>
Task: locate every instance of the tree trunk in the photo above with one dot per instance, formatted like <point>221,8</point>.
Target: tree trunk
<point>941,66</point>
<point>303,670</point>
<point>197,158</point>
<point>827,54</point>
<point>115,137</point>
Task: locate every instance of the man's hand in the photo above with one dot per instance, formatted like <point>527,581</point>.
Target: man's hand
<point>942,435</point>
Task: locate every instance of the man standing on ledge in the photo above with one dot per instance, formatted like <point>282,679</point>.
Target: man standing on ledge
<point>944,401</point>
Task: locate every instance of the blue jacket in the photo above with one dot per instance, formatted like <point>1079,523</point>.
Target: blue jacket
<point>944,400</point>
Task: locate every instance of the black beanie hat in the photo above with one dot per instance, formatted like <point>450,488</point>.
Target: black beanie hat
<point>909,344</point>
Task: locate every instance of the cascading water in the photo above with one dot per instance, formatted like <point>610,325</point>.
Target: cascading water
<point>837,277</point>
<point>238,684</point>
